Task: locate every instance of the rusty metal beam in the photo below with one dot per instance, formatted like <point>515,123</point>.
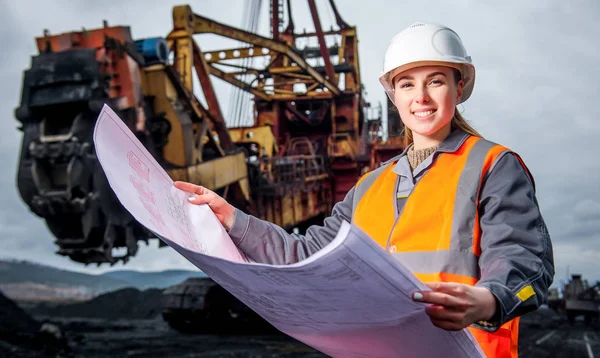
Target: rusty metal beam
<point>312,87</point>
<point>204,25</point>
<point>241,73</point>
<point>294,111</point>
<point>349,52</point>
<point>307,96</point>
<point>340,22</point>
<point>314,34</point>
<point>192,103</point>
<point>322,45</point>
<point>290,27</point>
<point>186,95</point>
<point>295,69</point>
<point>288,69</point>
<point>229,54</point>
<point>245,69</point>
<point>183,60</point>
<point>297,81</point>
<point>299,76</point>
<point>214,109</point>
<point>180,41</point>
<point>275,19</point>
<point>276,90</point>
<point>234,81</point>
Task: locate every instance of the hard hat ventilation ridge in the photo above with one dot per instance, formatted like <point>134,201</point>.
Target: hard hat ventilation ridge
<point>416,24</point>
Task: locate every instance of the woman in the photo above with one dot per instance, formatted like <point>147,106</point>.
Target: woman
<point>471,229</point>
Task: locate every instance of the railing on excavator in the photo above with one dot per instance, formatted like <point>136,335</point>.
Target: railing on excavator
<point>294,172</point>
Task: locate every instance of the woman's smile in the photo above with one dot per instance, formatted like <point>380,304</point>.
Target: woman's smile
<point>424,114</point>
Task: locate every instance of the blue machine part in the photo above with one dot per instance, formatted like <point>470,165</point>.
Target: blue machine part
<point>153,49</point>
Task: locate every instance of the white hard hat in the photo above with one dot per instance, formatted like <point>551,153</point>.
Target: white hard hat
<point>427,45</point>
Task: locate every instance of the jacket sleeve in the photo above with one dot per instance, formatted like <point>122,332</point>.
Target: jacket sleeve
<point>264,242</point>
<point>516,260</point>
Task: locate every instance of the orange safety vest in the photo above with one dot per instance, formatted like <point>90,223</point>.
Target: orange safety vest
<point>438,236</point>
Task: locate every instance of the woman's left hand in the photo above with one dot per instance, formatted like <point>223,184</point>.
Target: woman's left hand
<point>455,306</point>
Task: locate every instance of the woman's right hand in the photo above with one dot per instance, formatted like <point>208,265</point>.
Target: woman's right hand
<point>224,211</point>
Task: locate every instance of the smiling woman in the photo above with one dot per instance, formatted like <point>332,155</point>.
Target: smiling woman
<point>473,212</point>
<point>458,211</point>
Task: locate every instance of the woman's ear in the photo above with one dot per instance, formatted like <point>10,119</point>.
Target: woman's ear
<point>459,88</point>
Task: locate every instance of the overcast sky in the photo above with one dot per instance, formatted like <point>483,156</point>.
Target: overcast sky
<point>537,81</point>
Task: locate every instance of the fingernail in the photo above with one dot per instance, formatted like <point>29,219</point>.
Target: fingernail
<point>417,296</point>
<point>191,198</point>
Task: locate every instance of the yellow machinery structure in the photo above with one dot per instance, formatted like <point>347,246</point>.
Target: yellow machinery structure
<point>309,141</point>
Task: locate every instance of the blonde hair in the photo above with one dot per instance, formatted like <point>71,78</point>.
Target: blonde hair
<point>458,121</point>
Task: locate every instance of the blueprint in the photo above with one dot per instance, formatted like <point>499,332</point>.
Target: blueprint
<point>350,299</point>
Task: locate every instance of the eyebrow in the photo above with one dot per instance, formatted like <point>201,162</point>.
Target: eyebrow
<point>428,76</point>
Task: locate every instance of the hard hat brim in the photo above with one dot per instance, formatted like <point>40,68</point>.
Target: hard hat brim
<point>467,71</point>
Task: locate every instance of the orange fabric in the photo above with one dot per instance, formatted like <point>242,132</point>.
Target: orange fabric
<point>417,220</point>
<point>372,209</point>
<point>426,224</point>
<point>502,343</point>
<point>445,277</point>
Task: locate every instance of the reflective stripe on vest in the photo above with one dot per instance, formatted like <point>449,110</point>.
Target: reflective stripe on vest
<point>437,237</point>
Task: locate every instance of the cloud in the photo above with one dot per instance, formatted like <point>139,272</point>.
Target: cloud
<point>535,92</point>
<point>575,259</point>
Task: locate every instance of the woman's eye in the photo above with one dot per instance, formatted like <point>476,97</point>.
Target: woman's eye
<point>436,82</point>
<point>405,85</point>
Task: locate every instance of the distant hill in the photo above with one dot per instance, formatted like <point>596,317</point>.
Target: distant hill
<point>160,279</point>
<point>27,281</point>
<point>19,272</point>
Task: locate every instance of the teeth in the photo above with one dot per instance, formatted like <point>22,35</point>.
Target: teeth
<point>424,114</point>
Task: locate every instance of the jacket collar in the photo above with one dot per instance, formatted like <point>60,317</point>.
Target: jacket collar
<point>453,141</point>
<point>449,145</point>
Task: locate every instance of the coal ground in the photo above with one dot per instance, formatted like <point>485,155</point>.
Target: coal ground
<point>141,332</point>
<point>21,335</point>
<point>153,338</point>
<point>128,323</point>
<point>128,303</point>
<point>545,334</point>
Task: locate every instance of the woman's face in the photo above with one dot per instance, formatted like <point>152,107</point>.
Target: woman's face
<point>426,98</point>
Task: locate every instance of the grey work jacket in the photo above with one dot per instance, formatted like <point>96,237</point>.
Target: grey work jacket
<point>516,250</point>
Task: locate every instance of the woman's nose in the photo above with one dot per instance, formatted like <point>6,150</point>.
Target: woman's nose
<point>422,96</point>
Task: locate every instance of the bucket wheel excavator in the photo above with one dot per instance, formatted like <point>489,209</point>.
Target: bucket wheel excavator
<point>309,137</point>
